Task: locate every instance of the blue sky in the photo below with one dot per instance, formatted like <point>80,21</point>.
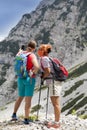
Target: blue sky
<point>11,12</point>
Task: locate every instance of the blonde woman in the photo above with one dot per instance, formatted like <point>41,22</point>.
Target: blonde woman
<point>54,87</point>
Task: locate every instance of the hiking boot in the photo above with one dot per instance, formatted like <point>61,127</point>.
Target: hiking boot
<point>14,117</point>
<point>26,121</point>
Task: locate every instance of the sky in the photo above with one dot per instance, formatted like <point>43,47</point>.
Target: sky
<point>11,12</point>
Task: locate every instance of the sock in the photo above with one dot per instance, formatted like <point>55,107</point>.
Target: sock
<point>26,119</point>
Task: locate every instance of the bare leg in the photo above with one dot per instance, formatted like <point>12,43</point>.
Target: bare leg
<point>27,106</point>
<point>17,103</point>
<point>56,104</point>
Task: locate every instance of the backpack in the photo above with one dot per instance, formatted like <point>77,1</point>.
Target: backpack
<point>60,72</point>
<point>20,65</point>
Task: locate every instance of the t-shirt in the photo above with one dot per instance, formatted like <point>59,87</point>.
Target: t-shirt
<point>46,63</point>
<point>30,65</point>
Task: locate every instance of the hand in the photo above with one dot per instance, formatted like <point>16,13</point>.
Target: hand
<point>30,73</point>
<point>42,75</point>
<point>42,81</point>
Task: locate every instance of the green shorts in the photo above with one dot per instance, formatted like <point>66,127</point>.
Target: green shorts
<point>26,86</point>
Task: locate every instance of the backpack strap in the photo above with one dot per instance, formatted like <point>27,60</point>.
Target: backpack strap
<point>56,61</point>
<point>29,53</point>
<point>41,64</point>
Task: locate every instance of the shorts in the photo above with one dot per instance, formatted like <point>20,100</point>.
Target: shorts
<point>26,86</point>
<point>55,88</point>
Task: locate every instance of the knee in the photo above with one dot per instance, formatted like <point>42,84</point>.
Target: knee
<point>56,104</point>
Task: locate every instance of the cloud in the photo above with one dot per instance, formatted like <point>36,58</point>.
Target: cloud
<point>2,38</point>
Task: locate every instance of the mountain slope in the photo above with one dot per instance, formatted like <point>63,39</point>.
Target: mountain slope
<point>63,23</point>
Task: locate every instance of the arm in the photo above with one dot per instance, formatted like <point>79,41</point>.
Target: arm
<point>45,67</point>
<point>36,65</point>
<point>46,72</point>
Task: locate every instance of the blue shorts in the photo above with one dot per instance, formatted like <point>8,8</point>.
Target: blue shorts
<point>26,86</point>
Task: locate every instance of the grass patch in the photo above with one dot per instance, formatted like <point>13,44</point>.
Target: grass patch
<point>73,88</point>
<point>31,117</point>
<point>35,108</point>
<point>79,105</point>
<point>72,103</point>
<point>83,116</point>
<point>79,71</point>
<point>3,108</point>
<point>37,89</point>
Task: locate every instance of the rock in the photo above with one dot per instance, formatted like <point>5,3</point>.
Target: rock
<point>69,122</point>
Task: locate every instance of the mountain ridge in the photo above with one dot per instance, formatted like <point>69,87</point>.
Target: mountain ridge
<point>61,23</point>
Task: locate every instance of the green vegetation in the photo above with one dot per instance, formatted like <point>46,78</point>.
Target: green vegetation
<point>3,73</point>
<point>40,18</point>
<point>35,108</point>
<point>28,16</point>
<point>78,71</point>
<point>73,112</point>
<point>80,45</point>
<point>14,86</point>
<point>31,117</point>
<point>78,105</point>
<point>38,88</point>
<point>75,67</point>
<point>3,108</point>
<point>63,16</point>
<point>74,87</point>
<point>56,2</point>
<point>38,37</point>
<point>2,80</point>
<point>43,10</point>
<point>81,100</point>
<point>72,104</point>
<point>37,22</point>
<point>82,116</point>
<point>9,46</point>
<point>44,36</point>
<point>82,5</point>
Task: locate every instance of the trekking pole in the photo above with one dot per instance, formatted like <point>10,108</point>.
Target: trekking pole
<point>47,102</point>
<point>39,98</point>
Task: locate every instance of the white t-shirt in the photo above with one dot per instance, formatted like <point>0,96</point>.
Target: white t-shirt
<point>46,63</point>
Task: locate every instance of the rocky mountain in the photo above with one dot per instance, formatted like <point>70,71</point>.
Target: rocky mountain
<point>63,23</point>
